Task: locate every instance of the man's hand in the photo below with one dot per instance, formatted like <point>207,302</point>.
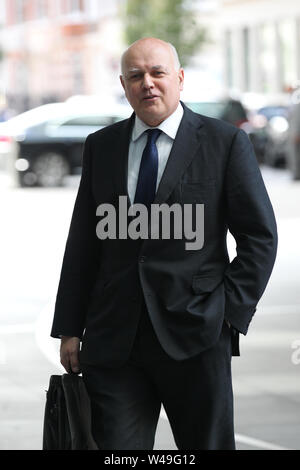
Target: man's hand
<point>69,349</point>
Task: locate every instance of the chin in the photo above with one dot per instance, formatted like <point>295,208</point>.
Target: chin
<point>152,119</point>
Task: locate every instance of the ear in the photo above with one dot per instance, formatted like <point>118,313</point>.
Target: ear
<point>181,78</point>
<point>122,82</point>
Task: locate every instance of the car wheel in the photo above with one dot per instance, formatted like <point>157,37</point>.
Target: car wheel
<point>50,169</point>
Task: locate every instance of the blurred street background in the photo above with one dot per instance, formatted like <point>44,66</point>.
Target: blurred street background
<point>59,81</point>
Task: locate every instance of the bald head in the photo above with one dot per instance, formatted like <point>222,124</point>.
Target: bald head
<point>152,43</point>
<point>152,79</point>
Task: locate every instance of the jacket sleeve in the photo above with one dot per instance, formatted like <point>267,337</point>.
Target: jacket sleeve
<point>252,223</point>
<point>80,260</point>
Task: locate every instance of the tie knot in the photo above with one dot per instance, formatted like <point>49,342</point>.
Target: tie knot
<point>153,135</point>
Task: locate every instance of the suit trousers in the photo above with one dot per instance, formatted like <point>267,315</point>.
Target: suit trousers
<point>196,394</point>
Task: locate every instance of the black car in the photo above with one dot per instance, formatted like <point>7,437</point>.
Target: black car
<point>45,144</point>
<point>232,111</point>
<point>275,131</point>
<point>229,110</point>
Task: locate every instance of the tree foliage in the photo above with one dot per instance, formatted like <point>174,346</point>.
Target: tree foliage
<point>173,21</point>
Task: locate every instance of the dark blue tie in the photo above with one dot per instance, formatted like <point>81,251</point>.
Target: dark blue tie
<point>146,185</point>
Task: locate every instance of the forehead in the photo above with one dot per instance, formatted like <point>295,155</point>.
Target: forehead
<point>147,56</point>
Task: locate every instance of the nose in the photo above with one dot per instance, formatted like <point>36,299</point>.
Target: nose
<point>147,81</point>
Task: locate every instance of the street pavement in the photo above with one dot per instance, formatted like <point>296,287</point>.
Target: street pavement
<point>266,378</point>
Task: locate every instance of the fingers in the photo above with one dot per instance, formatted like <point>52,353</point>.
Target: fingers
<point>75,367</point>
<point>69,354</point>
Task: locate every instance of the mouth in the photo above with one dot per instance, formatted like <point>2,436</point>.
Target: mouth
<point>150,98</point>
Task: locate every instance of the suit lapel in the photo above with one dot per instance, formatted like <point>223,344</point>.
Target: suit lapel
<point>120,157</point>
<point>185,147</point>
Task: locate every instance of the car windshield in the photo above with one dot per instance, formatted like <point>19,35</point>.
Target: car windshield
<point>37,115</point>
<point>210,109</point>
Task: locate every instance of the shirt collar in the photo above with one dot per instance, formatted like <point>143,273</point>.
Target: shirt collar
<point>169,126</point>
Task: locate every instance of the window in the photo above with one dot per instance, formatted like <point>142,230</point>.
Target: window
<point>269,54</point>
<point>287,31</point>
<point>211,109</point>
<point>246,53</point>
<point>19,11</point>
<point>72,6</point>
<point>41,8</point>
<point>76,5</point>
<point>229,58</point>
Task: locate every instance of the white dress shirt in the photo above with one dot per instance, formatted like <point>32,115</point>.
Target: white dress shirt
<point>164,144</point>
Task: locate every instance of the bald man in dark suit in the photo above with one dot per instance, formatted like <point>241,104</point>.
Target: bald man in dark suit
<point>159,318</point>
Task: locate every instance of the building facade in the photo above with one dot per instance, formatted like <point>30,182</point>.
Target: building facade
<point>54,49</point>
<point>261,45</point>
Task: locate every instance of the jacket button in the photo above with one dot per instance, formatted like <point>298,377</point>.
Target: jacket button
<point>143,259</point>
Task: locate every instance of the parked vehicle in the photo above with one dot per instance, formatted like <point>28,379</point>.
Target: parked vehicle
<point>275,131</point>
<point>293,146</point>
<point>232,111</point>
<point>45,144</point>
<point>228,109</point>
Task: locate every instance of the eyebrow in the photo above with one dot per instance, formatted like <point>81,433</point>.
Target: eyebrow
<point>155,67</point>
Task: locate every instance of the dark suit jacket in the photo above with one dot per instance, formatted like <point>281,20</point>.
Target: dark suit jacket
<point>188,293</point>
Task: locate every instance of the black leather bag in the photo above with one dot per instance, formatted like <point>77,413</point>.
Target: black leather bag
<point>67,420</point>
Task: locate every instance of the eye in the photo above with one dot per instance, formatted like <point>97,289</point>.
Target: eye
<point>135,76</point>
